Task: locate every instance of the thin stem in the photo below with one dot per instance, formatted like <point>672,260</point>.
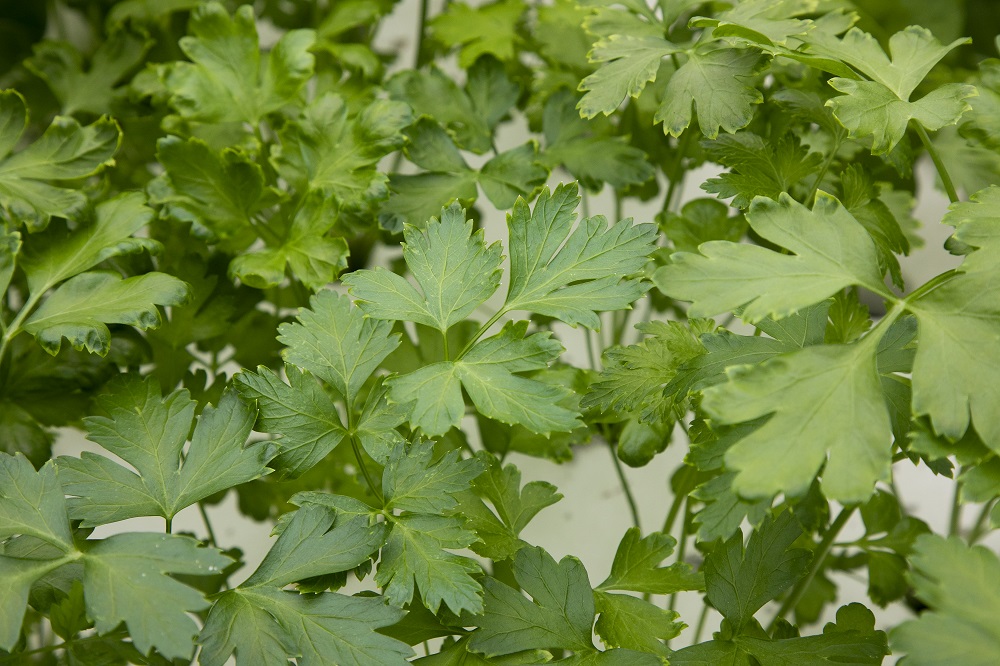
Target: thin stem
<point>482,329</point>
<point>819,559</point>
<point>822,173</point>
<point>675,509</point>
<point>19,656</point>
<point>626,488</point>
<point>22,314</point>
<point>208,524</point>
<point>588,337</point>
<point>677,173</point>
<point>444,342</point>
<point>949,186</point>
<point>701,624</point>
<point>979,528</point>
<point>421,56</point>
<point>955,519</point>
<point>682,544</point>
<point>364,470</point>
<point>930,285</point>
<point>169,526</point>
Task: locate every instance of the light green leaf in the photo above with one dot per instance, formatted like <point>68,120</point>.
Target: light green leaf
<point>32,503</point>
<point>954,373</point>
<point>65,151</point>
<point>739,581</point>
<point>629,63</point>
<point>417,198</point>
<point>766,21</point>
<point>512,174</point>
<point>955,581</point>
<point>491,90</point>
<point>337,343</point>
<point>314,542</point>
<point>826,405</point>
<point>571,273</point>
<point>717,82</point>
<point>81,308</point>
<point>328,150</point>
<point>266,623</point>
<point>870,109</point>
<point>227,80</point>
<point>486,373</point>
<point>560,614</point>
<point>16,579</point>
<point>589,156</point>
<point>60,65</point>
<point>700,221</point>
<point>453,266</point>
<point>412,482</point>
<point>759,168</point>
<point>59,254</point>
<point>629,622</point>
<point>126,580</point>
<point>313,257</point>
<point>10,246</point>
<point>434,94</point>
<point>301,413</point>
<point>636,567</point>
<point>149,432</point>
<point>376,427</point>
<point>831,251</point>
<point>220,193</point>
<point>487,29</point>
<point>724,509</point>
<point>417,555</point>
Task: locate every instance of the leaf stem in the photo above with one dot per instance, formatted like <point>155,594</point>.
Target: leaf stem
<point>420,59</point>
<point>626,488</point>
<point>930,285</point>
<point>364,470</point>
<point>955,518</point>
<point>701,624</point>
<point>677,173</point>
<point>208,524</point>
<point>819,559</point>
<point>675,509</point>
<point>978,529</point>
<point>18,657</point>
<point>169,525</point>
<point>822,173</point>
<point>682,544</point>
<point>482,329</point>
<point>588,337</point>
<point>949,186</point>
<point>15,326</point>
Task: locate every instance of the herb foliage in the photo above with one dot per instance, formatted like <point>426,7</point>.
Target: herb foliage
<point>197,200</point>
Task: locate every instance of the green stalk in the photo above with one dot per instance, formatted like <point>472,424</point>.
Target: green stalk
<point>208,524</point>
<point>626,488</point>
<point>682,545</point>
<point>949,186</point>
<point>482,329</point>
<point>169,525</point>
<point>18,657</point>
<point>979,528</point>
<point>955,518</point>
<point>822,173</point>
<point>819,559</point>
<point>421,55</point>
<point>701,624</point>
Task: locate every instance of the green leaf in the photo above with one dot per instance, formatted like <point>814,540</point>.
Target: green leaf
<point>487,374</point>
<point>219,193</point>
<point>512,174</point>
<point>81,308</point>
<point>831,251</point>
<point>717,83</point>
<point>959,324</point>
<point>16,578</point>
<point>572,273</point>
<point>317,541</point>
<point>32,503</point>
<point>328,150</point>
<point>65,151</point>
<point>634,376</point>
<point>881,108</point>
<point>588,155</point>
<point>629,622</point>
<point>60,65</point>
<point>724,509</point>
<point>852,640</point>
<point>825,404</point>
<point>376,427</point>
<point>416,555</point>
<point>954,580</point>
<point>453,266</point>
<point>739,581</point>
<point>759,168</point>
<point>149,432</point>
<point>337,343</point>
<point>629,62</point>
<point>560,614</point>
<point>636,567</point>
<point>227,80</point>
<point>313,257</point>
<point>765,20</point>
<point>126,580</point>
<point>59,254</point>
<point>412,482</point>
<point>488,29</point>
<point>513,507</point>
<point>432,93</point>
<point>700,221</point>
<point>301,413</point>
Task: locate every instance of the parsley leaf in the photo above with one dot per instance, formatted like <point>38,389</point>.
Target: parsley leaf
<point>65,151</point>
<point>567,273</point>
<point>636,566</point>
<point>149,432</point>
<point>951,578</point>
<point>487,29</point>
<point>758,167</point>
<point>227,80</point>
